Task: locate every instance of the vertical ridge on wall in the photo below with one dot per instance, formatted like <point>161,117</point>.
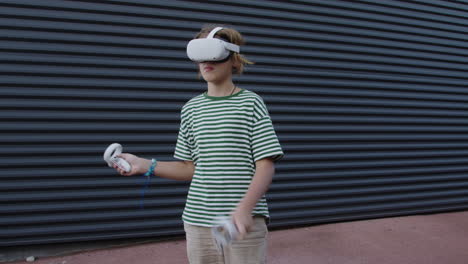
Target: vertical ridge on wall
<point>369,100</point>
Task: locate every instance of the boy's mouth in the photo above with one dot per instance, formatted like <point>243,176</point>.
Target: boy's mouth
<point>208,68</point>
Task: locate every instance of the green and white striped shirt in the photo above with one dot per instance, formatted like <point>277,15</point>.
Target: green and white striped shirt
<point>224,137</point>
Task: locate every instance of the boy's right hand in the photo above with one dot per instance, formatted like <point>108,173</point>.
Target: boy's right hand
<point>139,165</point>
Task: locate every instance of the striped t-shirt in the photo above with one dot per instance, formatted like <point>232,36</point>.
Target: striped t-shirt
<point>224,137</point>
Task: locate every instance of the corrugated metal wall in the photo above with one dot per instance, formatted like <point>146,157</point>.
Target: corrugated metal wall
<point>369,99</point>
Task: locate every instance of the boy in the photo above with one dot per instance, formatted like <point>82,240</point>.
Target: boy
<point>227,146</point>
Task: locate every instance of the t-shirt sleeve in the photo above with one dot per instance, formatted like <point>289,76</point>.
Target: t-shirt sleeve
<point>184,146</point>
<point>265,143</point>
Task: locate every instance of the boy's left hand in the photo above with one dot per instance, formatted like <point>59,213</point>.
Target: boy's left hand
<point>243,221</point>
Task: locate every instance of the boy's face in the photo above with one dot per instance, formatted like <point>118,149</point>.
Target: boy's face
<point>216,72</point>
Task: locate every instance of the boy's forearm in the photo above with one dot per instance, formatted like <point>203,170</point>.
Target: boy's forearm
<point>261,181</point>
<point>175,170</point>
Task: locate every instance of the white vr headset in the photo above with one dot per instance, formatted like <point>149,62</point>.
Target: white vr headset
<point>210,48</point>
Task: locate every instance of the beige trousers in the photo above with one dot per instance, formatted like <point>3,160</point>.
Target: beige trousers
<point>201,248</point>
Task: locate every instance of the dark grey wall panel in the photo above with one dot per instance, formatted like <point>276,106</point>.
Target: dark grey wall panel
<point>369,99</point>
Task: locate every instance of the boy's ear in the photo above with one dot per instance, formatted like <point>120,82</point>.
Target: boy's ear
<point>235,67</point>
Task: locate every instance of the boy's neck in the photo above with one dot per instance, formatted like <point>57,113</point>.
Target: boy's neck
<point>222,89</point>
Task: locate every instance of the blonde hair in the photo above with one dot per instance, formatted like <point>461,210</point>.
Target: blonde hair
<point>230,35</point>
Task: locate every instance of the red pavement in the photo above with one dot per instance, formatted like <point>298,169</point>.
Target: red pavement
<point>420,239</point>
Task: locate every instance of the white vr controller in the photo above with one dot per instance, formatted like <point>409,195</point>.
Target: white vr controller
<point>110,157</point>
<point>224,232</point>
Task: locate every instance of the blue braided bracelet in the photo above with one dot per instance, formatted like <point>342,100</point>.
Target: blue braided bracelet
<point>150,171</point>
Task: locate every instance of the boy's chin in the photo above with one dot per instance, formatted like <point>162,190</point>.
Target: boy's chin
<point>216,78</point>
<point>211,79</point>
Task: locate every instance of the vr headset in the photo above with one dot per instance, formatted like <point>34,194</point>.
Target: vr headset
<point>210,48</point>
